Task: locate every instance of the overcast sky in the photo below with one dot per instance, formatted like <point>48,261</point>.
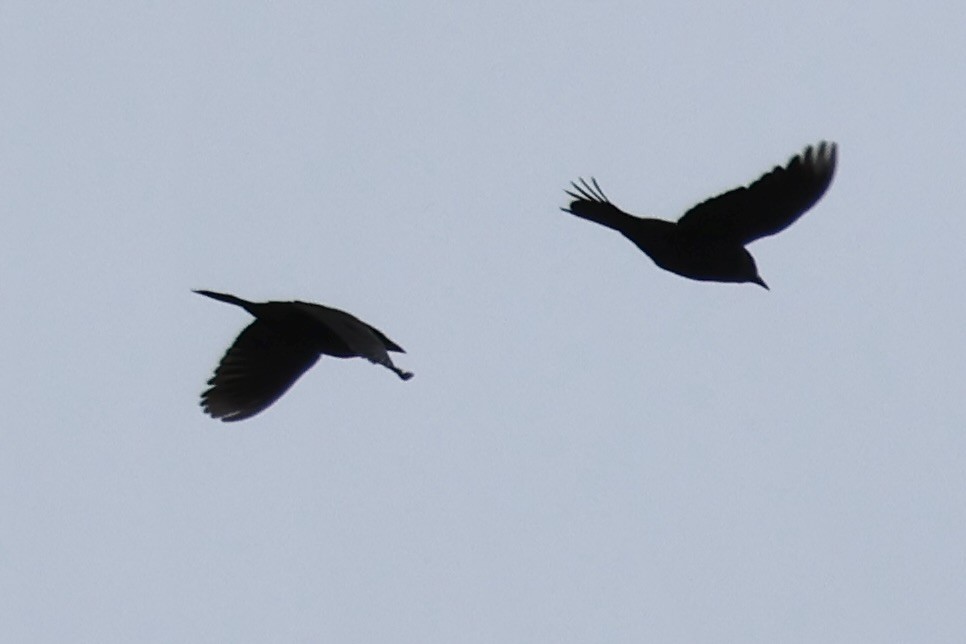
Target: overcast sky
<point>592,450</point>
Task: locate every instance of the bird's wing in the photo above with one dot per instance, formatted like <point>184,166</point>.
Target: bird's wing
<point>590,202</point>
<point>256,370</point>
<point>768,205</point>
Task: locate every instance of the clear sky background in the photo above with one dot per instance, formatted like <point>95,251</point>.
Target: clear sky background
<point>592,450</point>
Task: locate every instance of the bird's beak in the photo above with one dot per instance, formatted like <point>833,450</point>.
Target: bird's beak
<point>760,282</point>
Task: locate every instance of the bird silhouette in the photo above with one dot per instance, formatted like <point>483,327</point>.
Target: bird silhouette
<point>708,241</point>
<point>285,339</point>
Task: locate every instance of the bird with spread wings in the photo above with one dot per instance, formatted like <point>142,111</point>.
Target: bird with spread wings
<point>283,342</point>
<point>708,241</point>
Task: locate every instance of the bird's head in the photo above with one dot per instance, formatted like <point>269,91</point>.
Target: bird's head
<point>760,282</point>
<point>748,270</point>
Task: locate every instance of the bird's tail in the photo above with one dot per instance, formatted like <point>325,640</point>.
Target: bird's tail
<point>590,203</point>
<point>224,297</point>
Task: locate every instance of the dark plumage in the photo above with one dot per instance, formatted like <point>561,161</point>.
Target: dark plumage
<point>708,241</point>
<point>286,339</point>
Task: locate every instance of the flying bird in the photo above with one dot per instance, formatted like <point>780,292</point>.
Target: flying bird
<point>708,241</point>
<point>285,339</point>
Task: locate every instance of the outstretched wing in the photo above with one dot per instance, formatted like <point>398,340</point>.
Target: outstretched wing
<point>256,370</point>
<point>770,204</point>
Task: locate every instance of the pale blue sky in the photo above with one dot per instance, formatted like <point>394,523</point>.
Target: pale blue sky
<point>592,450</point>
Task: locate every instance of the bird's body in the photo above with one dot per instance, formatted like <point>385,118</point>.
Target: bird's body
<point>708,242</point>
<point>283,342</point>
